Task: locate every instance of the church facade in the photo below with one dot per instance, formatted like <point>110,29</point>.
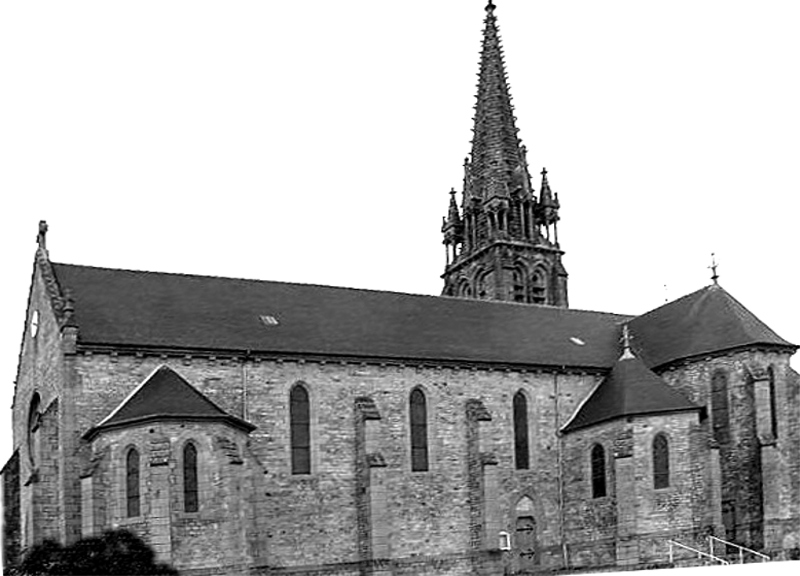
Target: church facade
<point>256,427</point>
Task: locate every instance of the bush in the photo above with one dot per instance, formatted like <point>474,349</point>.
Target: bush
<point>116,552</point>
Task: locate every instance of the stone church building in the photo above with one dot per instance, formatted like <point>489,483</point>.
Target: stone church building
<point>257,427</point>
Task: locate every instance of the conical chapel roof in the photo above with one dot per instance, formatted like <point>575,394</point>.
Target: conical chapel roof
<point>165,395</point>
<point>631,389</point>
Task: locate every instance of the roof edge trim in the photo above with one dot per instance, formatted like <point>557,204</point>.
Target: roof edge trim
<point>233,421</point>
<point>321,357</point>
<point>633,415</point>
<point>792,348</point>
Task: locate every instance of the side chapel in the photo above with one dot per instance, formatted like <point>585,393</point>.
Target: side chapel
<point>257,427</point>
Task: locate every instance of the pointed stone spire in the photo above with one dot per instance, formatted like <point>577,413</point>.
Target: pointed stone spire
<point>495,145</point>
<point>496,248</point>
<point>454,218</point>
<point>452,226</point>
<point>546,197</point>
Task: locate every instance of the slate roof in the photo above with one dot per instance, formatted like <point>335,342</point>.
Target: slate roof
<point>630,389</point>
<point>153,310</point>
<point>148,310</point>
<point>706,321</point>
<point>165,395</point>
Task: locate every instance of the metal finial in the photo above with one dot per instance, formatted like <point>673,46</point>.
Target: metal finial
<point>544,172</point>
<point>490,6</point>
<point>713,268</point>
<point>626,343</point>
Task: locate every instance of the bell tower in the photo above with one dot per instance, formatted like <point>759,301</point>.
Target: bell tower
<point>502,243</point>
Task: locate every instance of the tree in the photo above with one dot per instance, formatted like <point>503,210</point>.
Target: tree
<point>116,552</point>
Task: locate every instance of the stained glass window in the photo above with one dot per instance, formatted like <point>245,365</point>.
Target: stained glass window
<point>132,483</point>
<point>300,419</point>
<point>521,449</point>
<point>719,407</point>
<point>598,471</point>
<point>419,431</point>
<point>660,461</point>
<point>190,495</point>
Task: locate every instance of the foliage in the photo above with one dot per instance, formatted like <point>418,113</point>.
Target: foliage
<point>116,552</point>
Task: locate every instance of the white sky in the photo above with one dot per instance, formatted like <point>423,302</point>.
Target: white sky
<point>315,141</point>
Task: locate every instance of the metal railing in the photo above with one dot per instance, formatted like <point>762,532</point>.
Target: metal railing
<point>700,553</point>
<point>742,549</point>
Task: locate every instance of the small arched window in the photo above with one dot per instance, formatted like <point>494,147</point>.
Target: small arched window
<point>521,449</point>
<point>300,429</point>
<point>34,421</point>
<point>773,404</point>
<point>132,483</point>
<point>598,461</point>
<point>539,288</point>
<point>518,277</point>
<point>720,418</point>
<point>419,431</point>
<point>660,461</point>
<point>190,494</point>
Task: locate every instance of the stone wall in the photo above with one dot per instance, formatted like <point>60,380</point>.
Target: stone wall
<point>12,525</point>
<point>590,524</point>
<point>312,520</point>
<point>40,372</point>
<point>760,475</point>
<point>215,536</point>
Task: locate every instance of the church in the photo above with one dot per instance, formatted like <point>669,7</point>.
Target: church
<point>257,427</point>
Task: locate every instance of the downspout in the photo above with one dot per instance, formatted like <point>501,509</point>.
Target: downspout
<point>244,384</point>
<point>560,457</point>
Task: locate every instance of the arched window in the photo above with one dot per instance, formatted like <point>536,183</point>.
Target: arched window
<point>660,461</point>
<point>419,431</point>
<point>34,421</point>
<point>598,459</point>
<point>132,483</point>
<point>300,418</point>
<point>773,404</point>
<point>720,418</point>
<point>190,499</point>
<point>518,277</point>
<point>539,288</point>
<point>521,450</point>
<point>484,286</point>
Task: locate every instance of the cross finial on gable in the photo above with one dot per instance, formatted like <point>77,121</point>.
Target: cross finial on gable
<point>713,268</point>
<point>41,239</point>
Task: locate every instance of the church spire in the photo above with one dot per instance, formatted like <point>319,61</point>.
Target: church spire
<point>499,243</point>
<point>495,145</point>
